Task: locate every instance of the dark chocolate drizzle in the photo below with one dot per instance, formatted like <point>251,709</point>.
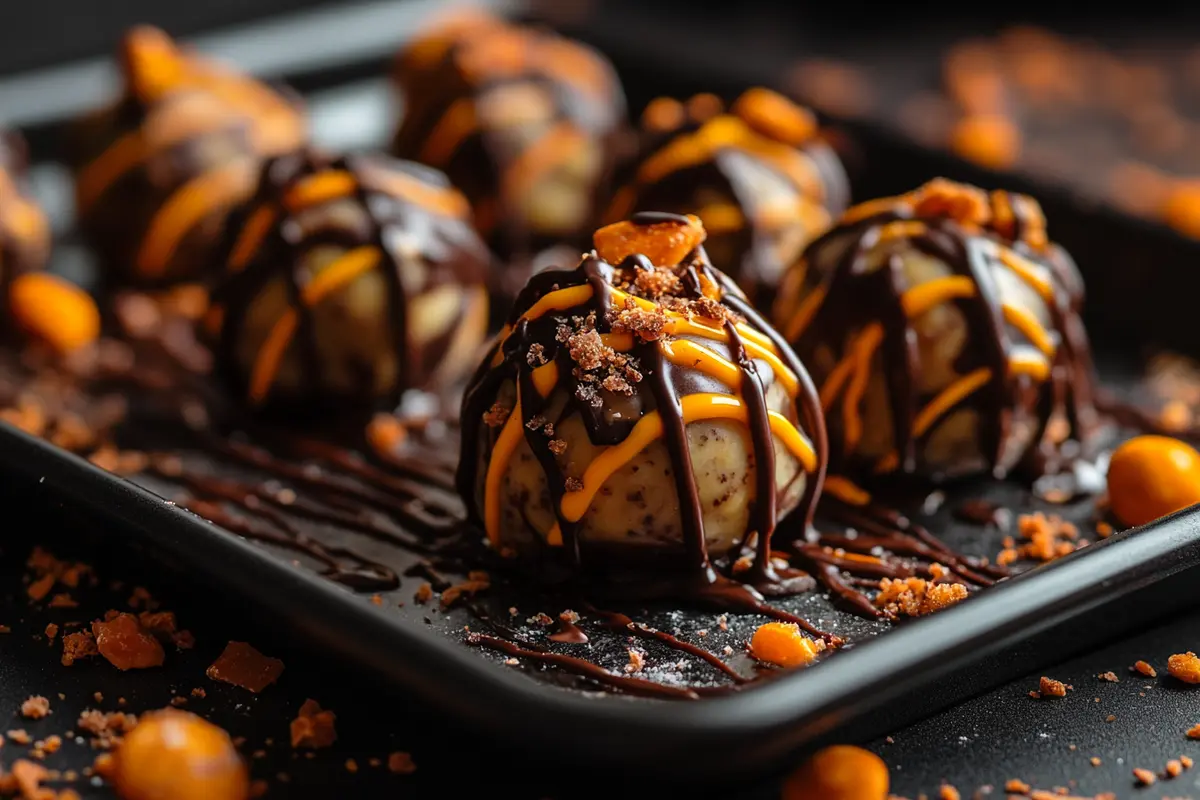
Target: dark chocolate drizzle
<point>588,669</point>
<point>620,622</point>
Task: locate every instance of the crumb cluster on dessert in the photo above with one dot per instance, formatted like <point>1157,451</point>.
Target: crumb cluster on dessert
<point>638,404</point>
<point>524,122</point>
<point>942,328</point>
<point>24,229</point>
<point>758,175</point>
<point>347,281</point>
<point>157,172</point>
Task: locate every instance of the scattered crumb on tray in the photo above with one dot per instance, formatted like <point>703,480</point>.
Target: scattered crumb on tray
<point>401,763</point>
<point>1184,667</point>
<point>313,726</point>
<point>36,707</point>
<point>1049,687</point>
<point>1145,669</point>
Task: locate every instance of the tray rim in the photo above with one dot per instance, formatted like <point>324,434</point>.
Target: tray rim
<point>787,712</point>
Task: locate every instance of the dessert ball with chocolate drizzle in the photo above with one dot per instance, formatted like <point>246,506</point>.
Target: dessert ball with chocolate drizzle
<point>24,229</point>
<point>758,176</point>
<point>523,121</point>
<point>637,405</point>
<point>156,174</point>
<point>942,328</point>
<point>347,281</point>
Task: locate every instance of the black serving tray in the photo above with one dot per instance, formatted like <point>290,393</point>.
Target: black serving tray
<point>908,673</point>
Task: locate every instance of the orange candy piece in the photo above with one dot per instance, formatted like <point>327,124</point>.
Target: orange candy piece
<point>773,115</point>
<point>990,140</point>
<point>1181,209</point>
<point>54,311</point>
<point>665,243</point>
<point>126,644</point>
<point>175,754</point>
<point>1152,476</point>
<point>841,772</point>
<point>782,644</point>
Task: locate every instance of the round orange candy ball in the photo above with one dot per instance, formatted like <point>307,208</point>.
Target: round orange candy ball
<point>176,755</point>
<point>53,310</point>
<point>841,772</point>
<point>1152,476</point>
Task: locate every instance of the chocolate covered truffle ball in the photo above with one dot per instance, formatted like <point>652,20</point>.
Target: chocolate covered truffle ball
<point>157,173</point>
<point>24,229</point>
<point>523,121</point>
<point>638,406</point>
<point>348,281</point>
<point>759,177</point>
<point>942,329</point>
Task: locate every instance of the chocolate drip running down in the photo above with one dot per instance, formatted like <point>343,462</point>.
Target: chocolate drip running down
<point>675,344</point>
<point>349,281</point>
<point>759,176</point>
<point>946,318</point>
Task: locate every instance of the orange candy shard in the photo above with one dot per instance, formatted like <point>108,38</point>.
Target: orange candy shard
<point>313,727</point>
<point>55,311</point>
<point>776,117</point>
<point>665,243</point>
<point>243,666</point>
<point>126,644</point>
<point>782,644</point>
<point>1152,476</point>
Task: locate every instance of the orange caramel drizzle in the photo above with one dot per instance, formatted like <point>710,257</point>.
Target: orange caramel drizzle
<point>340,181</point>
<point>325,187</point>
<point>162,78</point>
<point>972,213</point>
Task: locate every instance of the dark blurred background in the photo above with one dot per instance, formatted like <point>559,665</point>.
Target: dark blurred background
<point>47,32</point>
